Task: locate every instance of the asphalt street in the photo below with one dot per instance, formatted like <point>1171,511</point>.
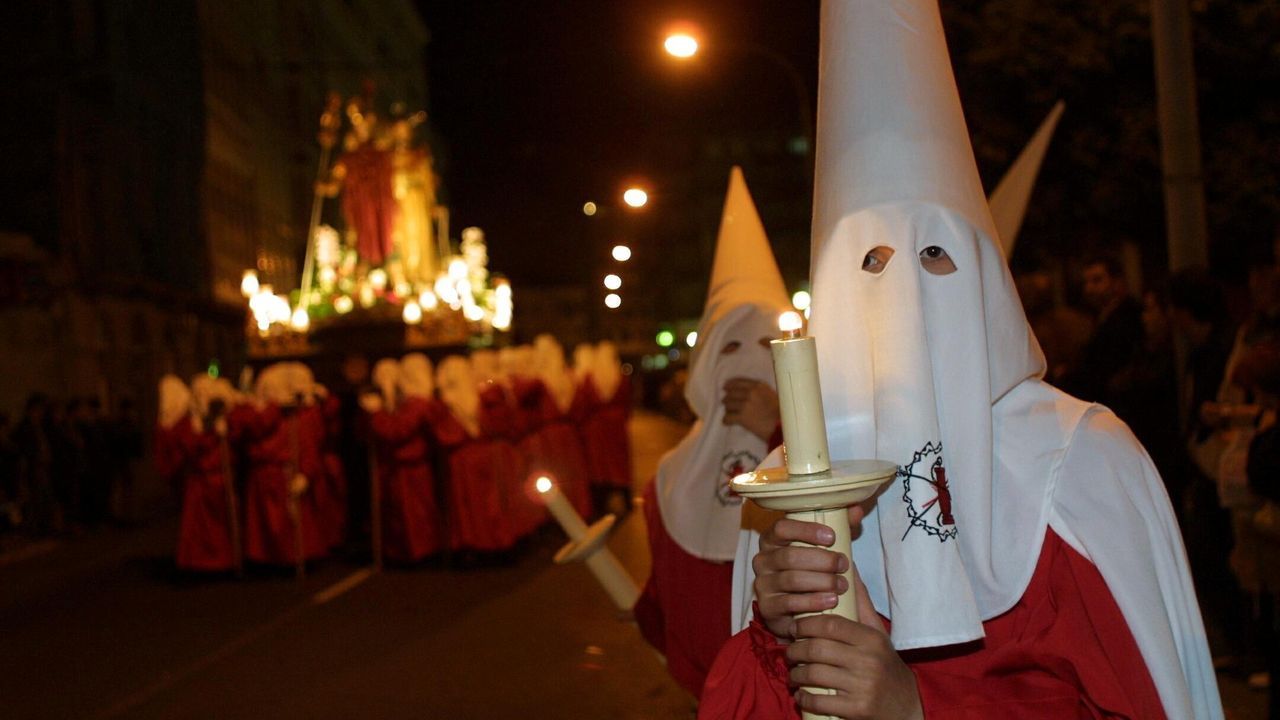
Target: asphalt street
<point>100,626</point>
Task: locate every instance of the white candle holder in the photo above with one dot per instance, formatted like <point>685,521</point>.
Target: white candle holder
<point>809,487</point>
<point>588,545</point>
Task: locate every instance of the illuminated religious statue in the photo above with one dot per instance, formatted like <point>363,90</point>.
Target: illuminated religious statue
<point>364,175</point>
<point>414,187</point>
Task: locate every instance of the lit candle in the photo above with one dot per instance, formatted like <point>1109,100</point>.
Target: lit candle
<point>588,544</point>
<point>804,429</point>
<point>559,506</point>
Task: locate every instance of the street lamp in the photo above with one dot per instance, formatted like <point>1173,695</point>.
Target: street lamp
<point>621,253</point>
<point>681,45</point>
<point>612,300</point>
<point>635,197</point>
<point>612,282</point>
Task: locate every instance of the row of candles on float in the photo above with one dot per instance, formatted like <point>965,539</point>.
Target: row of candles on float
<point>452,289</point>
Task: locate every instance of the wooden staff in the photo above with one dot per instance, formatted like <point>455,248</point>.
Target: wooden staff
<point>294,501</point>
<point>233,506</point>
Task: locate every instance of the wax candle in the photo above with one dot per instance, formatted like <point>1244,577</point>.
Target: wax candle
<point>570,521</point>
<point>804,429</point>
<point>588,545</point>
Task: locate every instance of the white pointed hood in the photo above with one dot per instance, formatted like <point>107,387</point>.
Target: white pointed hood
<point>1010,198</point>
<point>912,361</point>
<point>416,378</point>
<point>175,401</point>
<point>386,377</point>
<point>745,296</point>
<point>930,363</point>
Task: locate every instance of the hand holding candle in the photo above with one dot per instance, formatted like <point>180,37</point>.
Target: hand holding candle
<point>810,488</point>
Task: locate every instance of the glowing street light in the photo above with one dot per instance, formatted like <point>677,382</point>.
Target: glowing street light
<point>613,301</point>
<point>589,208</point>
<point>612,282</point>
<point>681,45</point>
<point>691,339</point>
<point>621,253</point>
<point>635,197</point>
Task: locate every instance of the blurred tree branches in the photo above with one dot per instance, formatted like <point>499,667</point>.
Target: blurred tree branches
<point>1101,181</point>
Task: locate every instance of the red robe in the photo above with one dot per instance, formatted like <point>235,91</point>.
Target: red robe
<point>604,433</point>
<point>369,203</point>
<point>480,472</point>
<point>512,431</point>
<point>313,430</point>
<point>267,439</point>
<point>683,610</point>
<point>193,460</point>
<point>410,518</point>
<point>1063,651</point>
<point>551,444</point>
<point>335,473</point>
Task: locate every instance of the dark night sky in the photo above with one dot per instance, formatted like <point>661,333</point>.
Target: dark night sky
<point>540,106</point>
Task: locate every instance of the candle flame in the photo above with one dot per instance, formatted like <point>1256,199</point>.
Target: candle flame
<point>790,322</point>
<point>543,484</point>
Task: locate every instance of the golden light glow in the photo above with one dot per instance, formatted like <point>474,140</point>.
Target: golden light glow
<point>801,300</point>
<point>428,300</point>
<point>613,282</point>
<point>249,283</point>
<point>378,279</point>
<point>412,312</point>
<point>328,277</point>
<point>612,301</point>
<point>589,208</point>
<point>300,320</point>
<point>621,253</point>
<point>474,313</point>
<point>367,297</point>
<point>543,484</point>
<point>681,45</point>
<point>691,339</point>
<point>790,322</point>
<point>635,197</point>
<point>343,304</point>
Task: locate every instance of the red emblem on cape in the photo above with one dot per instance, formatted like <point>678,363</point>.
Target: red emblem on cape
<point>927,494</point>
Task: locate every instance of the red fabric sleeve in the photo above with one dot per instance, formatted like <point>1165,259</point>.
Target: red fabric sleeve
<point>1063,651</point>
<point>749,680</point>
<point>396,426</point>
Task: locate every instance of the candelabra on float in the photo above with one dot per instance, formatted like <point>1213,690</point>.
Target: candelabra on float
<point>809,487</point>
<point>588,545</point>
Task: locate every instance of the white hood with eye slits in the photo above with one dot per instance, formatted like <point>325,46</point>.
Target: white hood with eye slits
<point>936,370</point>
<point>745,297</point>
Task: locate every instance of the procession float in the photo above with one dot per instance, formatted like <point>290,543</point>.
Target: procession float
<point>380,271</point>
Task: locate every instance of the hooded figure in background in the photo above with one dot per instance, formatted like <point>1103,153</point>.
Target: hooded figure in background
<point>189,455</point>
<point>604,430</point>
<point>555,447</point>
<point>1024,563</point>
<point>411,516</point>
<point>317,417</point>
<point>480,471</point>
<point>280,523</point>
<point>692,515</point>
